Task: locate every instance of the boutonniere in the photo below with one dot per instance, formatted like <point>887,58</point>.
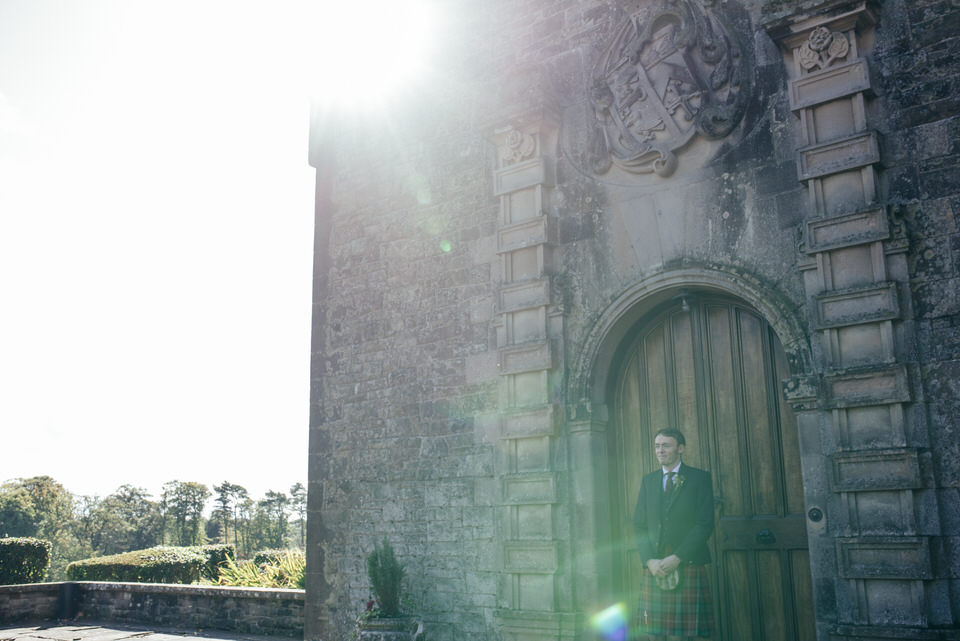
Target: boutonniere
<point>680,480</point>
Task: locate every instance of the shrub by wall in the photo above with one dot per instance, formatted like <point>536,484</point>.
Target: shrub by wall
<point>155,565</point>
<point>217,556</point>
<point>23,560</point>
<point>274,556</point>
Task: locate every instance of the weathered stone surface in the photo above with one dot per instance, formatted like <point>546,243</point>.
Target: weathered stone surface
<point>185,607</point>
<point>478,271</point>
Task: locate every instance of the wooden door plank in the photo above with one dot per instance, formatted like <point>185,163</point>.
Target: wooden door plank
<point>728,466</point>
<point>770,575</point>
<point>685,385</point>
<point>803,595</point>
<point>760,443</point>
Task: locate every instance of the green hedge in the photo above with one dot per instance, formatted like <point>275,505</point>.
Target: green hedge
<point>274,556</point>
<point>217,556</point>
<point>23,560</point>
<point>156,565</point>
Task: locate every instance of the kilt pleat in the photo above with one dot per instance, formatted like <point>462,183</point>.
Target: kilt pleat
<point>685,611</point>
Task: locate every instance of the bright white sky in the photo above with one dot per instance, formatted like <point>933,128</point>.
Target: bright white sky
<point>155,242</point>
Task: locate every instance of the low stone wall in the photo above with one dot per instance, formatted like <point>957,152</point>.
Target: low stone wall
<point>32,602</point>
<point>265,611</point>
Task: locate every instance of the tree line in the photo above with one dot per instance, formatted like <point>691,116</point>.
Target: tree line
<point>80,527</point>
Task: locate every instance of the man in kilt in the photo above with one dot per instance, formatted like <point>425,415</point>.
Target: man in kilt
<point>672,522</point>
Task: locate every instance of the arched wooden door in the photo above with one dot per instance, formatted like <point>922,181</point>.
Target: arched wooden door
<point>712,367</point>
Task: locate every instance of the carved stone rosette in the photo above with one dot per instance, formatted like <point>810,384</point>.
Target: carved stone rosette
<point>669,73</point>
<point>823,48</point>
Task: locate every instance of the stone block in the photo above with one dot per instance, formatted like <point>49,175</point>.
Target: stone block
<point>867,386</point>
<point>532,522</point>
<point>875,470</point>
<point>526,358</point>
<point>892,602</point>
<point>527,389</point>
<point>850,267</point>
<point>522,204</point>
<point>537,171</point>
<point>537,231</point>
<point>870,427</point>
<point>529,488</point>
<point>526,423</point>
<point>884,557</point>
<point>837,156</point>
<point>881,513</point>
<point>524,295</point>
<point>531,454</point>
<point>539,558</point>
<point>535,592</point>
<point>858,305</point>
<point>829,84</point>
<point>856,228</point>
<point>860,345</point>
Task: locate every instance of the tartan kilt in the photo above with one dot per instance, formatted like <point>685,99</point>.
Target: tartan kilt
<point>684,612</point>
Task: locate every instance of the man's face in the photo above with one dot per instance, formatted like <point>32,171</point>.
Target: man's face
<point>668,450</point>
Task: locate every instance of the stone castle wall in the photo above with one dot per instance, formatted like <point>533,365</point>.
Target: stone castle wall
<point>474,257</point>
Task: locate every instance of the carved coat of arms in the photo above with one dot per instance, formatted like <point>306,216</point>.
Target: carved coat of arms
<point>670,73</point>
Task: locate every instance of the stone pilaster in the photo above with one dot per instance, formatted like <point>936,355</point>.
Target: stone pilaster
<point>531,464</point>
<point>856,291</point>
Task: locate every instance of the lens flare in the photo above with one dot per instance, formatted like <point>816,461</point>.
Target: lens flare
<point>611,624</point>
<point>364,51</point>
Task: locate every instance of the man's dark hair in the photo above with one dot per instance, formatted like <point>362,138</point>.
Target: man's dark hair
<point>675,434</point>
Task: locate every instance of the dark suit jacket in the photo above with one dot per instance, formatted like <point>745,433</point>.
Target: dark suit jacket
<point>681,524</point>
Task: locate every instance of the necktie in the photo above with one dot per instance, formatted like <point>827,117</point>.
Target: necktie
<point>668,490</point>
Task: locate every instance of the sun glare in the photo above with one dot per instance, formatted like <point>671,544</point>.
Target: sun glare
<point>366,52</point>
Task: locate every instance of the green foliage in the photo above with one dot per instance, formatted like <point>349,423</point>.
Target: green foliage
<point>156,565</point>
<point>123,521</point>
<point>18,517</point>
<point>275,506</point>
<point>23,560</point>
<point>182,505</point>
<point>285,571</point>
<point>265,557</point>
<point>298,502</point>
<point>229,500</point>
<point>217,557</point>
<point>386,575</point>
<point>41,507</point>
<point>82,527</point>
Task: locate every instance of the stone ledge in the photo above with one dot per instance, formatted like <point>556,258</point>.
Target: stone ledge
<point>877,633</point>
<point>193,590</point>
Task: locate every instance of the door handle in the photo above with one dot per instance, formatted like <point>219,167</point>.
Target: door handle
<point>766,537</point>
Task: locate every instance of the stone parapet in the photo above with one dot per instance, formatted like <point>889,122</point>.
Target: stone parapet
<point>31,602</point>
<point>265,611</point>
